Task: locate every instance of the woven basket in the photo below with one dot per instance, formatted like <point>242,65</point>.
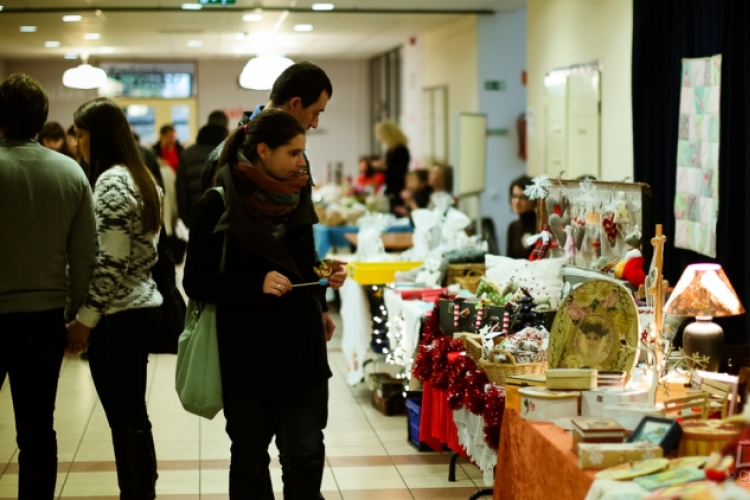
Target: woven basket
<point>470,282</point>
<point>473,345</point>
<point>498,372</point>
<point>456,271</point>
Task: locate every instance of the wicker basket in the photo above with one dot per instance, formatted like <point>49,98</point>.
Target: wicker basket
<point>456,271</point>
<point>498,372</point>
<point>473,345</point>
<point>470,282</point>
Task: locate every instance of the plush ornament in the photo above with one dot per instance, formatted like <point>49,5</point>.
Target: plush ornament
<point>619,268</point>
<point>554,205</point>
<point>542,242</point>
<point>608,225</point>
<point>621,215</point>
<point>633,269</point>
<point>557,226</point>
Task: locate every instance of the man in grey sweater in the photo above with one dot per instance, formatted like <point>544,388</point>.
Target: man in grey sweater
<point>47,254</point>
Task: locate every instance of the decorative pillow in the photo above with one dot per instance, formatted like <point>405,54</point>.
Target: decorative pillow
<point>542,278</point>
<point>574,276</point>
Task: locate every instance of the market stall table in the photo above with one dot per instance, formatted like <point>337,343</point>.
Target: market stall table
<point>327,237</point>
<point>535,462</point>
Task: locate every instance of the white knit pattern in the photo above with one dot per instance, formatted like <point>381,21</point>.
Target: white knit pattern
<point>125,255</point>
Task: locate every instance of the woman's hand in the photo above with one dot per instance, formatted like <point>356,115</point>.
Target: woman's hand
<point>78,337</point>
<point>276,284</point>
<point>337,278</point>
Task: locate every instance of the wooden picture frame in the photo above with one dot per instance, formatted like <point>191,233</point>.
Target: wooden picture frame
<point>665,432</point>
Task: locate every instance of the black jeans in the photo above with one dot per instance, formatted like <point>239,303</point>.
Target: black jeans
<point>297,420</point>
<point>118,357</point>
<point>32,350</point>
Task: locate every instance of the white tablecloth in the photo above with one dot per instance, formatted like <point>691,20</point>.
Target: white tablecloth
<point>357,328</point>
<point>471,436</point>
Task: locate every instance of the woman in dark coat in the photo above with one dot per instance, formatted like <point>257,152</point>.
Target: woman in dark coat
<point>396,161</point>
<point>272,337</point>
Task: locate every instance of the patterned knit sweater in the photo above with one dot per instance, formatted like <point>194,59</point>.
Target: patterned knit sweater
<point>125,255</point>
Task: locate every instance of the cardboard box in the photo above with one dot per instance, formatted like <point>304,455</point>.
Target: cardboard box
<point>594,401</point>
<point>604,456</point>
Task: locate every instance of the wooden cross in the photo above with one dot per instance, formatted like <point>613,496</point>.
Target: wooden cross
<point>658,292</point>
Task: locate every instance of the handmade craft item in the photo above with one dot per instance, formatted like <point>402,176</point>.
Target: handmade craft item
<point>590,325</point>
<point>596,430</point>
<point>669,478</point>
<point>541,404</point>
<point>606,455</point>
<point>581,379</point>
<point>594,401</point>
<point>703,437</point>
<point>632,470</point>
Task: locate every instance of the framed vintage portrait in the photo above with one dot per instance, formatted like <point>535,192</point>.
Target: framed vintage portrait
<point>662,431</point>
<point>596,327</point>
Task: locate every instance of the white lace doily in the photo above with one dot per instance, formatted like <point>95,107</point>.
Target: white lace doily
<point>471,436</point>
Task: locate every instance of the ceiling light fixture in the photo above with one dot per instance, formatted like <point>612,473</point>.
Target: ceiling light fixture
<point>1,7</point>
<point>303,27</point>
<point>28,29</point>
<point>72,18</point>
<point>195,43</point>
<point>260,72</point>
<point>322,6</point>
<point>252,17</point>
<point>191,6</point>
<point>71,56</point>
<point>106,50</point>
<point>92,36</point>
<point>84,76</point>
<point>52,44</point>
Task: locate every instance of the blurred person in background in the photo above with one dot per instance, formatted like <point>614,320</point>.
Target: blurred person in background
<point>53,137</point>
<point>440,179</point>
<point>417,192</point>
<point>396,160</point>
<point>369,180</point>
<point>168,148</point>
<point>188,185</point>
<point>525,225</point>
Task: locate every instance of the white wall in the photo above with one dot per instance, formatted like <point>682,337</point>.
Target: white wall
<point>502,56</point>
<point>62,101</point>
<point>566,32</point>
<point>342,135</point>
<point>450,58</point>
<point>412,62</point>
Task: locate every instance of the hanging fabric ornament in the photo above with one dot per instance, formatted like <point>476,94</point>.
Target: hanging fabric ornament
<point>570,244</point>
<point>621,215</point>
<point>608,224</point>
<point>542,242</point>
<point>539,187</point>
<point>579,228</point>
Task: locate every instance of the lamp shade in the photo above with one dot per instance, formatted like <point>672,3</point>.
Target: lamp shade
<point>260,72</point>
<point>84,76</point>
<point>704,290</point>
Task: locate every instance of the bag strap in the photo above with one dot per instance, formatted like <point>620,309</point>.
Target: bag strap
<point>220,190</point>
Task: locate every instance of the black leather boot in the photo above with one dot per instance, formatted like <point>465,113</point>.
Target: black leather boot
<point>136,464</point>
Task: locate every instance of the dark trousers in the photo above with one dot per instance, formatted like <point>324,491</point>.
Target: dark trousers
<point>118,356</point>
<point>31,355</point>
<point>297,420</point>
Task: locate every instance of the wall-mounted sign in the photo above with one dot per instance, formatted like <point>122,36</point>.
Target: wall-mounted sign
<point>218,2</point>
<point>494,85</point>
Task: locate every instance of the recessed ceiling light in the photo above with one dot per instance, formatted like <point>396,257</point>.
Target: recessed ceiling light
<point>71,56</point>
<point>252,17</point>
<point>1,7</point>
<point>191,6</point>
<point>52,44</point>
<point>92,36</point>
<point>303,27</point>
<point>195,43</point>
<point>72,18</point>
<point>28,29</point>
<point>106,50</point>
<point>322,6</point>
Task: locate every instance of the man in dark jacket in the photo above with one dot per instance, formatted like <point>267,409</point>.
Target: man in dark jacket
<point>188,184</point>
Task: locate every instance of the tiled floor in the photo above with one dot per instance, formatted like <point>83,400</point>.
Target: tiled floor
<point>368,457</point>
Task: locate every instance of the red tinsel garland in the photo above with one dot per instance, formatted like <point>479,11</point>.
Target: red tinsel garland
<point>466,384</point>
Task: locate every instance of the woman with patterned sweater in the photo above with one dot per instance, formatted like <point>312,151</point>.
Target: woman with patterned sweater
<point>120,311</point>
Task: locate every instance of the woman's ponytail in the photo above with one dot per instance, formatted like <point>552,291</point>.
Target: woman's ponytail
<point>231,147</point>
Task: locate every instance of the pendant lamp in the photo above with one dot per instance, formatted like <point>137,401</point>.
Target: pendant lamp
<point>84,76</point>
<point>260,72</point>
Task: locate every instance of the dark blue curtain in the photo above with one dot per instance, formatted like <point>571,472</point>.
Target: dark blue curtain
<point>664,32</point>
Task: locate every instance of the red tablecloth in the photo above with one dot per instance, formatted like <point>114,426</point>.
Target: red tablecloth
<point>535,462</point>
<point>436,426</point>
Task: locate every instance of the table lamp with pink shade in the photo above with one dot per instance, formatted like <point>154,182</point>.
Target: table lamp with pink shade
<point>704,292</point>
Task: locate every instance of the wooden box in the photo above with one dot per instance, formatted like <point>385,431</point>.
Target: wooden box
<point>581,379</point>
<point>594,401</point>
<point>385,385</point>
<point>515,382</point>
<point>606,455</point>
<point>395,404</point>
<point>596,430</point>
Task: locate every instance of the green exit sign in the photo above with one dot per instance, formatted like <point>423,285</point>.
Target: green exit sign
<point>494,85</point>
<point>218,2</point>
